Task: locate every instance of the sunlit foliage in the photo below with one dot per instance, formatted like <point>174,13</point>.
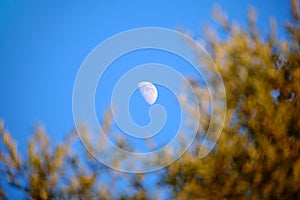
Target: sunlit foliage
<point>258,153</point>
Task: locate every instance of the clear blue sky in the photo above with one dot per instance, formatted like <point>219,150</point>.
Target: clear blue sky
<point>43,43</point>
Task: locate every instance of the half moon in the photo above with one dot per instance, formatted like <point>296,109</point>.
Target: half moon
<point>149,91</point>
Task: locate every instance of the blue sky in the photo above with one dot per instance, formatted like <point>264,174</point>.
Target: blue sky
<point>43,43</point>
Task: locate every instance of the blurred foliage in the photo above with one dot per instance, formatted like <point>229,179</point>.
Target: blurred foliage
<point>258,153</point>
<point>256,157</point>
<point>57,172</point>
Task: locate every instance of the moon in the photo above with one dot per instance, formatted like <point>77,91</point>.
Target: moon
<point>149,91</point>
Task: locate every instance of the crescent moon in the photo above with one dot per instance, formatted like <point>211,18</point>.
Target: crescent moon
<point>148,91</point>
